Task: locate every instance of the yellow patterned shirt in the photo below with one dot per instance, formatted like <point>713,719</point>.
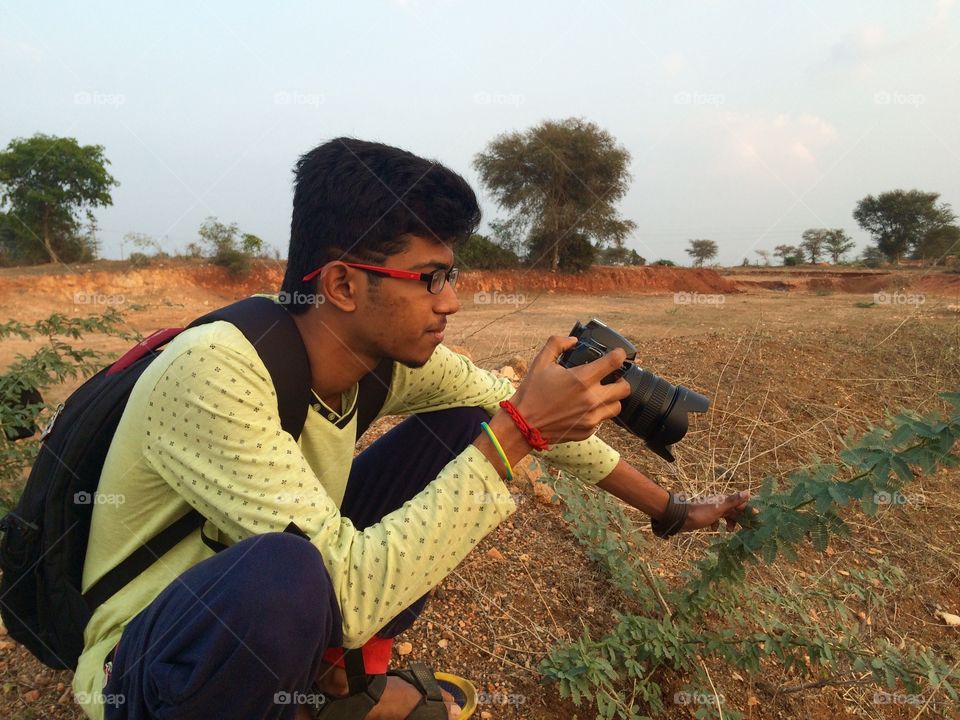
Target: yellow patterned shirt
<point>202,430</point>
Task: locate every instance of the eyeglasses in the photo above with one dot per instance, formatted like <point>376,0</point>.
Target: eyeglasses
<point>435,280</point>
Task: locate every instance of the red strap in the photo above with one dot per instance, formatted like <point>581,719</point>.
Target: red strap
<point>376,655</point>
<point>142,348</point>
<point>530,434</point>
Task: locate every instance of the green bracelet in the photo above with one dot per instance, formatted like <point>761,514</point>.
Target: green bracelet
<point>500,452</point>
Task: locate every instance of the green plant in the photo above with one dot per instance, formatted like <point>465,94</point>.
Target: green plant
<point>809,630</point>
<point>50,364</point>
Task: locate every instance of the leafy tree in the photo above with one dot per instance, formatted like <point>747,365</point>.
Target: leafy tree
<point>938,243</point>
<point>46,182</point>
<point>620,256</point>
<point>813,242</point>
<point>561,180</point>
<point>482,253</point>
<point>871,257</point>
<point>227,246</point>
<point>665,263</point>
<point>788,254</point>
<point>903,220</point>
<point>701,250</point>
<point>837,243</point>
<point>251,245</point>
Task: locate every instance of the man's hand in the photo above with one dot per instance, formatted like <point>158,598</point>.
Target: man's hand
<point>710,513</point>
<point>567,404</point>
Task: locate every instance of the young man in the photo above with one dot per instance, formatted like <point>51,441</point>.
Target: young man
<point>370,277</point>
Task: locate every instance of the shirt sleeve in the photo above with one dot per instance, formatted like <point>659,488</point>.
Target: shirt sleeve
<point>212,432</point>
<point>450,379</point>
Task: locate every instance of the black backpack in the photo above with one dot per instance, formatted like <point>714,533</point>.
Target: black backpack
<point>43,540</point>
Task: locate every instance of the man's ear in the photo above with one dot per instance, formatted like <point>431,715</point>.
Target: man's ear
<point>340,286</point>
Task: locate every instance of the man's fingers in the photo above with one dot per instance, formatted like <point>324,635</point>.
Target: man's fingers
<point>556,345</point>
<point>598,369</point>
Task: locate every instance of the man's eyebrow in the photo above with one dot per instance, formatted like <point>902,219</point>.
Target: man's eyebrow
<point>433,264</point>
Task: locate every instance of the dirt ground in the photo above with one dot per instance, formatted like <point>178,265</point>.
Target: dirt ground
<point>790,369</point>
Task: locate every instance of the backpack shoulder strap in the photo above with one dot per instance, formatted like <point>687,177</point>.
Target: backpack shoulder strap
<point>273,333</point>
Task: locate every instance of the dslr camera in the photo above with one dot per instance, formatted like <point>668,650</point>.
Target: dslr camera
<point>656,411</point>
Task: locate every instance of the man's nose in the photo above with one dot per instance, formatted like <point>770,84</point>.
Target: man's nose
<point>447,301</point>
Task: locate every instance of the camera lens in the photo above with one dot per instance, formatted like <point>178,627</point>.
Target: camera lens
<point>657,411</point>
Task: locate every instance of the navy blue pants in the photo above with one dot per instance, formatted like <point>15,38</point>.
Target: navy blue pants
<point>240,634</point>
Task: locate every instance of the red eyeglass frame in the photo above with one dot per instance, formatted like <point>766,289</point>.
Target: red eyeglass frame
<point>389,272</point>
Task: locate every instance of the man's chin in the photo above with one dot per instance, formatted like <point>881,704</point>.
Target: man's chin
<point>414,363</point>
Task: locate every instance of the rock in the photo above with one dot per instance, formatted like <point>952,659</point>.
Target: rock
<point>486,715</point>
<point>544,494</point>
<point>31,696</point>
<point>949,618</point>
<point>509,373</point>
<point>443,642</point>
<point>404,648</point>
<point>495,554</point>
<point>519,365</point>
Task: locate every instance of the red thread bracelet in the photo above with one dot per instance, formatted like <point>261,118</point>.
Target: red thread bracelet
<point>530,434</point>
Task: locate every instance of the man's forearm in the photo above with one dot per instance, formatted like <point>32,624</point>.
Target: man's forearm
<point>636,489</point>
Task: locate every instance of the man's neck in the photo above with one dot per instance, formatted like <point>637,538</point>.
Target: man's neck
<point>334,366</point>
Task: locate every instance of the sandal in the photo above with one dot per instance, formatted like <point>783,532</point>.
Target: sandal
<point>366,691</point>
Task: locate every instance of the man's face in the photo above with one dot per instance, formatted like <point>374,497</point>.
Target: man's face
<point>401,319</point>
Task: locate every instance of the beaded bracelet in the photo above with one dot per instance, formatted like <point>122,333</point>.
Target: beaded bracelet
<point>499,448</point>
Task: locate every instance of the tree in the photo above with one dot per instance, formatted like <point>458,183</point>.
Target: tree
<point>903,220</point>
<point>837,243</point>
<point>482,253</point>
<point>227,246</point>
<point>938,244</point>
<point>46,182</point>
<point>813,241</point>
<point>788,254</point>
<point>701,250</point>
<point>764,255</point>
<point>561,180</point>
<point>620,256</point>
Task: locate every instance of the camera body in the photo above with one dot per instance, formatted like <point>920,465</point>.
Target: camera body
<point>655,411</point>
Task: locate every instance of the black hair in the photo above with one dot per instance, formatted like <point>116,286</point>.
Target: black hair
<point>357,200</point>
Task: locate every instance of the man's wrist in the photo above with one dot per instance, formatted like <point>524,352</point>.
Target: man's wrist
<point>514,446</point>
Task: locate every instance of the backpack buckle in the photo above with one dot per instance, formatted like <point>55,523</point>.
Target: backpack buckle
<point>49,426</point>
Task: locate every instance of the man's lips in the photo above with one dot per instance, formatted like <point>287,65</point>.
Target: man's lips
<point>437,331</point>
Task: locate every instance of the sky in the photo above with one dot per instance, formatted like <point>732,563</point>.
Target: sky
<point>747,122</point>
